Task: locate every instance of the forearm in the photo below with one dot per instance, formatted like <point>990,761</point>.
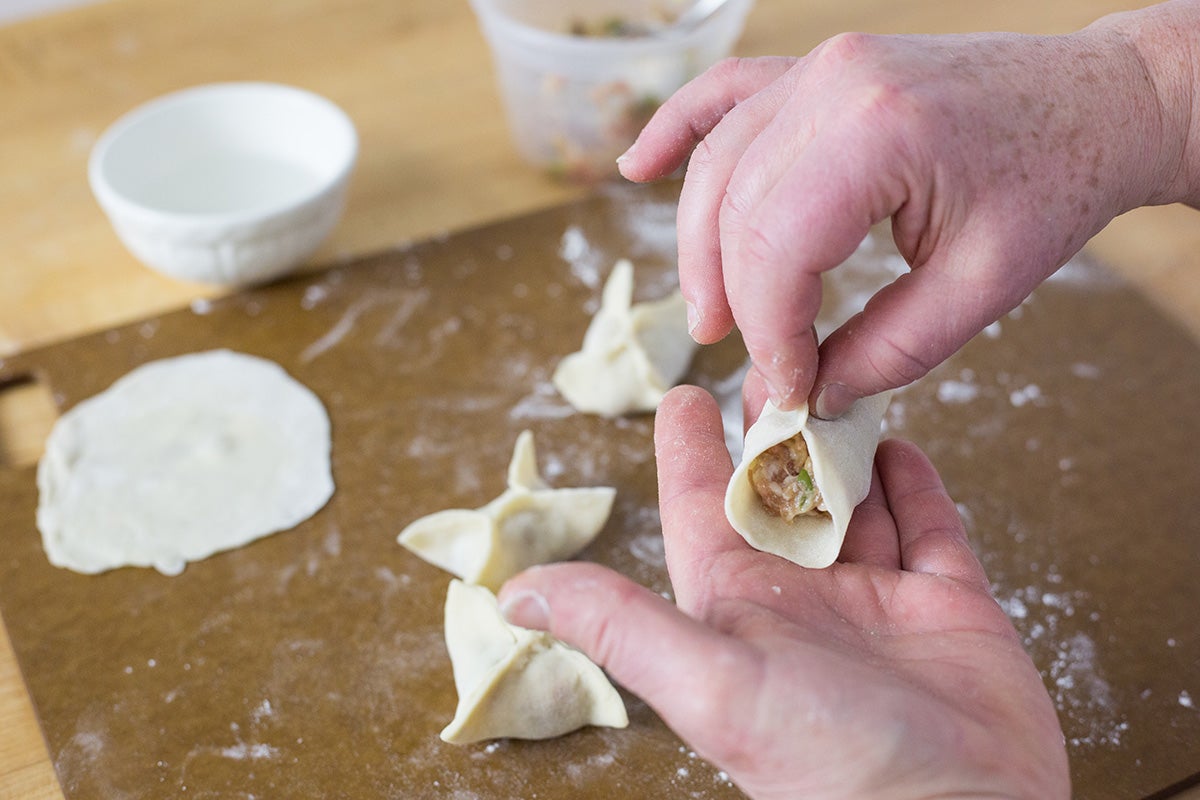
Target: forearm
<point>1164,42</point>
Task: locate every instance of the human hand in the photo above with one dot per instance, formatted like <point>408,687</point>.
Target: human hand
<point>893,673</point>
<point>996,156</point>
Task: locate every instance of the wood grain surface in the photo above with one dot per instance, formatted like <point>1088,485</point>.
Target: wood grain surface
<point>416,78</point>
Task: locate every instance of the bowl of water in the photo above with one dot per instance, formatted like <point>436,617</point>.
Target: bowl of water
<point>227,183</point>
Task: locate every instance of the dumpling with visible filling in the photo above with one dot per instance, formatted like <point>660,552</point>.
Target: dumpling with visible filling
<point>800,479</point>
<point>631,354</point>
<point>518,683</point>
<point>530,523</point>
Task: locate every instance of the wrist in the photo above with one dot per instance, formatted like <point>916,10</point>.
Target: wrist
<point>1162,46</point>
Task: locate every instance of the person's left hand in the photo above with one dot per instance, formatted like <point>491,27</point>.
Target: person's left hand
<point>891,673</point>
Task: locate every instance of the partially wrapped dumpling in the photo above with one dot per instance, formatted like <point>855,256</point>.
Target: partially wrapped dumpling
<point>631,354</point>
<point>530,523</point>
<point>800,479</point>
<point>518,683</point>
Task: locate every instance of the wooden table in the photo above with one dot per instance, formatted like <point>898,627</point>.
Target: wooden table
<point>416,77</point>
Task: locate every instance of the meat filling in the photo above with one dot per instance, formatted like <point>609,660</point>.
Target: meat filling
<point>783,478</point>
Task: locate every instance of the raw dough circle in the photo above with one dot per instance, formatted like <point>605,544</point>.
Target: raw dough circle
<point>180,459</point>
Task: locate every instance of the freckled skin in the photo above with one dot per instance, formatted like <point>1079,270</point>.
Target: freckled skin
<point>995,156</point>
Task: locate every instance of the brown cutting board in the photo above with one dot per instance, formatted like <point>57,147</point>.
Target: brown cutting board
<point>311,663</point>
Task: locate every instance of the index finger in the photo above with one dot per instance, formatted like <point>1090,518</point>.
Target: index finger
<point>693,470</point>
<point>693,111</point>
<point>776,248</point>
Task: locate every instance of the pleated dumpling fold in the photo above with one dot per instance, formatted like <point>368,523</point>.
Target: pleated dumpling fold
<point>631,354</point>
<point>518,683</point>
<point>530,523</point>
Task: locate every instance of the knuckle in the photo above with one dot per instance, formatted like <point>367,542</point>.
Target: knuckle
<point>736,204</point>
<point>728,68</point>
<point>761,245</point>
<point>874,89</point>
<point>845,48</point>
<point>895,362</point>
<point>881,102</point>
<point>704,158</point>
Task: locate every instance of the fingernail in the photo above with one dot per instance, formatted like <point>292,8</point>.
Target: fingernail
<point>833,400</point>
<point>693,318</point>
<point>777,396</point>
<point>628,152</point>
<point>527,609</point>
<point>780,375</point>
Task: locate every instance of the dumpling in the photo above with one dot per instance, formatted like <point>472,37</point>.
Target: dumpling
<point>518,683</point>
<point>528,524</point>
<point>631,354</point>
<point>800,479</point>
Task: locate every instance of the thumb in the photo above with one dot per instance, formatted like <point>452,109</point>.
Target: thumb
<point>904,331</point>
<point>642,640</point>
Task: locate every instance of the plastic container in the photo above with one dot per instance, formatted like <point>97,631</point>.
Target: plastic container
<point>576,102</point>
<point>228,183</point>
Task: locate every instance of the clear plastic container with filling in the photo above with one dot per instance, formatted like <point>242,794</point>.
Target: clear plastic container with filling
<point>580,78</point>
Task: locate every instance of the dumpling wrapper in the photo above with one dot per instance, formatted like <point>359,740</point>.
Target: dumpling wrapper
<point>518,683</point>
<point>528,524</point>
<point>842,452</point>
<point>631,354</point>
<point>179,459</point>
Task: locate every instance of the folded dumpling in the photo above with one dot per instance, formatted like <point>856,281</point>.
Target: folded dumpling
<point>631,354</point>
<point>800,479</point>
<point>518,683</point>
<point>530,523</point>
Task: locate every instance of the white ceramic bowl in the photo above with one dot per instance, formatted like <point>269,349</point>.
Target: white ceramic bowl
<point>228,183</point>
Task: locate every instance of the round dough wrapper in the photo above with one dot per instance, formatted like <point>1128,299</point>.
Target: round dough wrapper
<point>180,459</point>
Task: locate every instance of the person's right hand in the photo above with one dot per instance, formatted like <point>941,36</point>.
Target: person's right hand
<point>996,156</point>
